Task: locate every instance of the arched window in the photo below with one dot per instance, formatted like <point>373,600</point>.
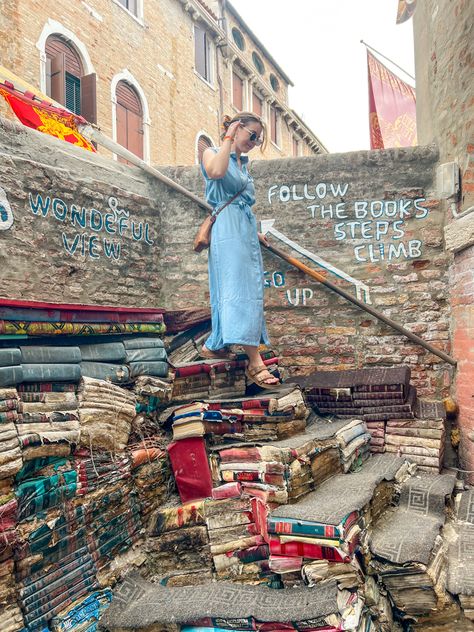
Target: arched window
<point>258,63</point>
<point>129,119</point>
<point>202,144</point>
<point>65,79</point>
<point>238,38</point>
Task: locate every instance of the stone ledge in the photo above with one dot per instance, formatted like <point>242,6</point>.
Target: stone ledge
<point>459,234</point>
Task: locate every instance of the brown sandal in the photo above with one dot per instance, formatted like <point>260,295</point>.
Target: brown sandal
<point>253,376</point>
<point>219,354</point>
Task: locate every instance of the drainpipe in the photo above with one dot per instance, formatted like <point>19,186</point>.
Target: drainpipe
<point>223,25</point>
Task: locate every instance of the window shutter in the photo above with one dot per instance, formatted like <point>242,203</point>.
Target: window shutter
<point>129,119</point>
<point>273,125</point>
<point>73,93</point>
<point>237,91</point>
<point>66,73</point>
<point>203,144</point>
<point>257,104</point>
<point>295,147</point>
<point>201,52</point>
<point>55,45</point>
<point>121,123</point>
<point>58,78</point>
<point>89,97</point>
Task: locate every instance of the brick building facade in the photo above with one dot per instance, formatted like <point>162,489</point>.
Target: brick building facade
<point>444,55</point>
<point>156,75</point>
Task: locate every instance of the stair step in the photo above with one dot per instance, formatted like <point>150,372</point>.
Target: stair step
<point>138,603</point>
<point>337,497</point>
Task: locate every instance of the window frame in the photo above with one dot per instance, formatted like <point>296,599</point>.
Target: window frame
<point>209,56</point>
<point>277,140</point>
<point>201,133</point>
<point>53,27</point>
<point>236,30</point>
<point>126,75</point>
<point>235,72</point>
<point>274,83</point>
<point>296,144</point>
<point>260,97</point>
<point>138,17</point>
<point>258,63</point>
<point>72,88</point>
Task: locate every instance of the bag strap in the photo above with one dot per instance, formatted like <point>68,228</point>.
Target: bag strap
<point>214,216</point>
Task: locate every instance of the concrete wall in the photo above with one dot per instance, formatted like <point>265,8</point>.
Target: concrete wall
<point>373,216</point>
<point>444,54</point>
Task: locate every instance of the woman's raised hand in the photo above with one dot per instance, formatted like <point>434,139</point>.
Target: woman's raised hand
<point>232,129</point>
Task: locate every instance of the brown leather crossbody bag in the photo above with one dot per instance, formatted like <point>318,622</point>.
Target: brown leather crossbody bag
<point>202,240</point>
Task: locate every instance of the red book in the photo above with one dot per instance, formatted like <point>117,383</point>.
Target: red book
<point>191,468</point>
<point>305,549</point>
<point>260,515</point>
<point>229,490</point>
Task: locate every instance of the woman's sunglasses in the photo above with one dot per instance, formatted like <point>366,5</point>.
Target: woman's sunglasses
<point>253,138</point>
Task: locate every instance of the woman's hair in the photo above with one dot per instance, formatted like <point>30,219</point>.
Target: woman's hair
<point>245,118</point>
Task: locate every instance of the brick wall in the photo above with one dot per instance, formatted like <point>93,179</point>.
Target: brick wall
<point>310,325</point>
<point>444,62</point>
<point>462,291</point>
<point>158,52</point>
<point>444,54</point>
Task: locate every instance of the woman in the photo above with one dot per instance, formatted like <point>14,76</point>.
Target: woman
<point>235,258</point>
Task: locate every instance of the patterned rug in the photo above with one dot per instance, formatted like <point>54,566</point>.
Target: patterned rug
<point>461,548</point>
<point>138,603</point>
<point>342,494</point>
<point>408,533</point>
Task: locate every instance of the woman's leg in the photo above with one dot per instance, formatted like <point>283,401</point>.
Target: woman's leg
<point>255,361</point>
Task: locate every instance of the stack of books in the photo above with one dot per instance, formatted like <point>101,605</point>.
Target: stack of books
<point>177,544</point>
<point>353,440</point>
<point>239,551</point>
<point>267,417</point>
<point>328,522</point>
<point>151,475</point>
<point>377,435</point>
<point>407,551</point>
<point>376,394</point>
<point>49,423</point>
<point>420,440</point>
<point>11,459</point>
<point>282,472</point>
<point>106,412</point>
<point>205,379</point>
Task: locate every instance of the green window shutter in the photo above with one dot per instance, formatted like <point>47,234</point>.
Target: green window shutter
<point>73,93</point>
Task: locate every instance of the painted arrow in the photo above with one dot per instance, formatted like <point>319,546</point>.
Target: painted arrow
<point>362,290</point>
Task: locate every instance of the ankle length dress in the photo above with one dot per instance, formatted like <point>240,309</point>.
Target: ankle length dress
<point>235,261</point>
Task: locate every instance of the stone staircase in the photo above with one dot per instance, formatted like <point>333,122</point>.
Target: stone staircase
<point>378,549</point>
<point>286,519</point>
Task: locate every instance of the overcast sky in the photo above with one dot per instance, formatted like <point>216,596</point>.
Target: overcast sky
<point>317,44</point>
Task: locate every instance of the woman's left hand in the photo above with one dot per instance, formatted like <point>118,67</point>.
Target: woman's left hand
<point>263,240</point>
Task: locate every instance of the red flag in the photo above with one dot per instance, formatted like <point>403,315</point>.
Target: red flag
<point>392,108</point>
<point>406,8</point>
<point>44,117</point>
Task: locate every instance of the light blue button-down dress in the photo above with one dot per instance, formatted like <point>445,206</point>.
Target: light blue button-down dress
<point>235,262</point>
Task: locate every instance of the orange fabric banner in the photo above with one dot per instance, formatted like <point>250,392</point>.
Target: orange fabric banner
<point>44,117</point>
<point>406,8</point>
<point>392,108</point>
